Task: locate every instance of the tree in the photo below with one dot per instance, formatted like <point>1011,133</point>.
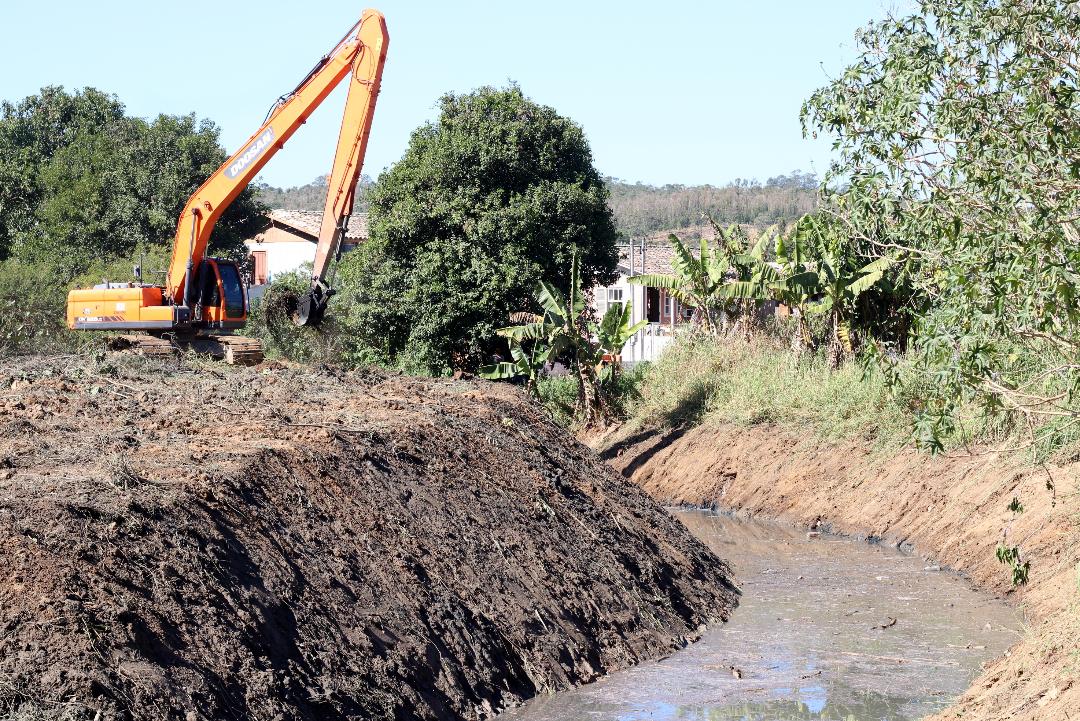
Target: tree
<point>958,125</point>
<point>81,182</point>
<point>489,199</point>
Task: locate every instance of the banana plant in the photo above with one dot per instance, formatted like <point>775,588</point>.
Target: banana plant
<point>841,281</point>
<point>527,360</point>
<point>798,283</point>
<point>696,281</point>
<point>614,331</point>
<point>562,330</point>
<point>753,280</point>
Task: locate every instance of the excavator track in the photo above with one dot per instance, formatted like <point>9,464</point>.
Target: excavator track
<point>233,349</point>
<point>147,345</point>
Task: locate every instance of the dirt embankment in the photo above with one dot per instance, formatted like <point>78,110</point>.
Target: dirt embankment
<point>277,543</point>
<point>951,509</point>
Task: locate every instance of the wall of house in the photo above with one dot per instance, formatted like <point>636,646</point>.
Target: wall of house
<point>650,341</point>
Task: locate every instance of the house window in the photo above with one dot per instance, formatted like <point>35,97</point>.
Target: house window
<point>669,306</point>
<point>614,298</point>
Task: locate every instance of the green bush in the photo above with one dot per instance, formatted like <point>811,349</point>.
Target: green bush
<point>33,304</point>
<point>270,320</point>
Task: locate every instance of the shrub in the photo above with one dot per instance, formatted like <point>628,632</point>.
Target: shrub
<point>33,304</point>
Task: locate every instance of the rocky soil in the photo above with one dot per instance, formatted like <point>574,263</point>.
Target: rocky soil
<point>185,541</point>
<point>953,510</point>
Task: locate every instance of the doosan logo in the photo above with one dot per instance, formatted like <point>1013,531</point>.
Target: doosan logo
<point>253,151</point>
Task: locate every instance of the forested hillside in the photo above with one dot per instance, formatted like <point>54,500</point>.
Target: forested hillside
<point>311,196</point>
<point>641,208</point>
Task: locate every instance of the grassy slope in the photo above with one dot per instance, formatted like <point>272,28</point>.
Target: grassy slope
<point>732,381</point>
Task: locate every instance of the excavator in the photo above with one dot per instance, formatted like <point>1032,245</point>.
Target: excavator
<point>203,299</point>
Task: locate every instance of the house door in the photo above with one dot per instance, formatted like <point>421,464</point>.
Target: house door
<point>652,305</point>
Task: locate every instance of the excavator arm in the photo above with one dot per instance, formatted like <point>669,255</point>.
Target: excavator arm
<point>360,55</point>
<point>348,164</point>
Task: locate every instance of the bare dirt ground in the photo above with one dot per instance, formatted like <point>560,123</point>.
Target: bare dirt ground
<point>188,542</point>
<point>951,509</point>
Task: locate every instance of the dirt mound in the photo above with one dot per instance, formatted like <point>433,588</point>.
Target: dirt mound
<point>952,509</point>
<point>281,543</point>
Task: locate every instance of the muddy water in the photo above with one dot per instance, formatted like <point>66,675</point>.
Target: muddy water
<point>826,629</point>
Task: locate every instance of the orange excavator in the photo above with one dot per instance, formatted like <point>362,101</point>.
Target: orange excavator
<point>203,299</point>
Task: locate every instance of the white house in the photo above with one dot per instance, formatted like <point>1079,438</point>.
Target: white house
<point>288,242</point>
<point>663,313</point>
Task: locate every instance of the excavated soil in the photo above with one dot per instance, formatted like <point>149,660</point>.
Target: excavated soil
<point>188,542</point>
<point>953,510</point>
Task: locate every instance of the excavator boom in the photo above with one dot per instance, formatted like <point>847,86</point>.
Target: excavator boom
<point>361,53</point>
<point>348,164</point>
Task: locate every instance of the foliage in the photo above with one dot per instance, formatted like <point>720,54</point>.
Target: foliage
<point>80,181</point>
<point>567,332</point>
<point>956,139</point>
<point>1010,556</point>
<point>700,378</point>
<point>311,196</point>
<point>841,279</point>
<point>490,198</point>
<point>270,320</point>
<point>639,209</point>
<point>621,395</point>
<point>564,331</point>
<point>616,329</point>
<point>528,358</point>
<point>32,309</point>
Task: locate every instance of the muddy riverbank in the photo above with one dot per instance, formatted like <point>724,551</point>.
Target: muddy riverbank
<point>952,511</point>
<point>827,629</point>
<point>185,542</point>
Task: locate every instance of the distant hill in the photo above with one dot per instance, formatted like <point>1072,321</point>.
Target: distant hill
<point>640,209</point>
<point>646,209</point>
<point>308,197</point>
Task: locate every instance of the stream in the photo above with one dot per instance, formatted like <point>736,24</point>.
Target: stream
<point>826,628</point>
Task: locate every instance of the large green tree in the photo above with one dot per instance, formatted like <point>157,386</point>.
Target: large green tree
<point>958,139</point>
<point>82,182</point>
<point>489,199</point>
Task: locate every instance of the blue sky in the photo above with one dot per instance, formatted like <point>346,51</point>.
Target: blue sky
<point>673,92</point>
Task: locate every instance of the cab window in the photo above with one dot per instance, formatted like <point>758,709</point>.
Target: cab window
<point>234,291</point>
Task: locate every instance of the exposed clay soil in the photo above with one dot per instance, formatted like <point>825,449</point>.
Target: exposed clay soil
<point>283,543</point>
<point>951,509</point>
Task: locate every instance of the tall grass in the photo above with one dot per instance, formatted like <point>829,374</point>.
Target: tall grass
<point>701,379</point>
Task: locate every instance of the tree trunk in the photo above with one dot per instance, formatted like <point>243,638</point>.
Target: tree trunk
<point>836,346</point>
<point>590,405</point>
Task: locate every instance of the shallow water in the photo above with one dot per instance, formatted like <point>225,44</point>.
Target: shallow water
<point>826,629</point>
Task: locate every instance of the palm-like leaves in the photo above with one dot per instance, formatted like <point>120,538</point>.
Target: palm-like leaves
<point>563,330</point>
<point>841,278</point>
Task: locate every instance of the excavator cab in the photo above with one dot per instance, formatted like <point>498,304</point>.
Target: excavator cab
<point>222,303</point>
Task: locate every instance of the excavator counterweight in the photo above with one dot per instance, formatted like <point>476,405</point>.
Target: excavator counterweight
<point>203,299</point>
